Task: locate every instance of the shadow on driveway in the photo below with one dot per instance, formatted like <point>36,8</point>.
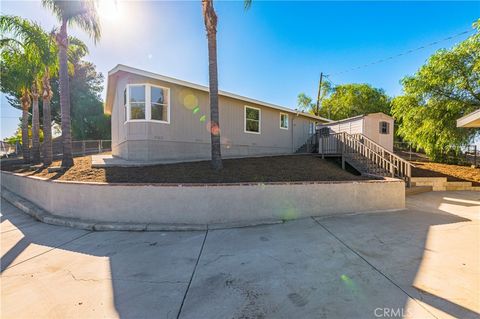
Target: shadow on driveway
<point>422,262</point>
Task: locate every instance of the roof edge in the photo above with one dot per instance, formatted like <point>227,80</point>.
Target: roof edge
<point>129,69</point>
<point>466,119</point>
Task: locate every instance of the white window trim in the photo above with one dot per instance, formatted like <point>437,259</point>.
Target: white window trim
<point>387,127</point>
<point>245,119</point>
<point>125,105</point>
<point>310,125</point>
<point>288,124</point>
<point>148,103</point>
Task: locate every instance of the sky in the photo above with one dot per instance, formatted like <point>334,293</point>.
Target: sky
<point>271,52</point>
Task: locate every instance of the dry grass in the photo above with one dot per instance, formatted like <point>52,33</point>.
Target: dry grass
<point>452,172</point>
<point>261,169</point>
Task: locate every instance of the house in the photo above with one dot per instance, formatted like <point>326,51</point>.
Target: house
<point>378,127</point>
<point>159,118</point>
<point>470,120</point>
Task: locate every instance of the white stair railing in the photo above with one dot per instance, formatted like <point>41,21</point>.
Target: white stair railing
<point>377,158</point>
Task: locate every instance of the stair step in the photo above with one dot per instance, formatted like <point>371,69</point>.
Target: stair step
<point>418,190</point>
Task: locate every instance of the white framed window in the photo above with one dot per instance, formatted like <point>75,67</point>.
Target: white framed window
<point>253,117</point>
<point>136,97</point>
<point>384,127</point>
<point>312,128</point>
<point>147,102</point>
<point>125,108</point>
<point>284,121</point>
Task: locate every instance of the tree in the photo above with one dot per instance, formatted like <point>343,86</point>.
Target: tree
<point>42,54</point>
<point>210,20</point>
<point>88,118</point>
<point>30,41</point>
<point>19,65</point>
<point>441,91</point>
<point>86,86</point>
<point>82,13</point>
<point>349,100</point>
<point>304,103</point>
<point>17,137</point>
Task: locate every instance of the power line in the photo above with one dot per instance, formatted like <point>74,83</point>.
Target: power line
<point>403,53</point>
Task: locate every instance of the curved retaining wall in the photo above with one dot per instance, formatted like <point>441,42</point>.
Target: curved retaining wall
<point>205,204</point>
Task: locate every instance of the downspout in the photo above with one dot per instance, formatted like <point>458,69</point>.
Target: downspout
<point>293,135</point>
<point>293,143</point>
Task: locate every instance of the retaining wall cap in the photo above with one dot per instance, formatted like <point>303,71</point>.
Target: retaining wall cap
<point>385,179</point>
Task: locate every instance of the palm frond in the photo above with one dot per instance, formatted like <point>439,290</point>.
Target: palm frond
<point>82,13</point>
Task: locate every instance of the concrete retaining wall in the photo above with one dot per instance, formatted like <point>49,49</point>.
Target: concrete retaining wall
<point>205,204</point>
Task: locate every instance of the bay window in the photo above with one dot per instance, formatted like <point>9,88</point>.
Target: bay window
<point>147,102</point>
<point>136,102</point>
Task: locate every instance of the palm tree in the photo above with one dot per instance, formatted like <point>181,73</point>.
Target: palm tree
<point>23,49</point>
<point>82,13</point>
<point>50,62</point>
<point>16,79</point>
<point>47,95</point>
<point>40,51</point>
<point>210,20</point>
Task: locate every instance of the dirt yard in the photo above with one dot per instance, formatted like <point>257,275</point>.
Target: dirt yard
<point>452,172</point>
<point>260,169</point>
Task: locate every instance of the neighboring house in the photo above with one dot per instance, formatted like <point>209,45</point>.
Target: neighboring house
<point>470,120</point>
<point>156,118</point>
<point>376,126</point>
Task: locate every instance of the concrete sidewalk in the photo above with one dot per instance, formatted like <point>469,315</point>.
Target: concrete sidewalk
<point>420,263</point>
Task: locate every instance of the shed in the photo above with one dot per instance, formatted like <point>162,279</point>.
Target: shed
<point>376,126</point>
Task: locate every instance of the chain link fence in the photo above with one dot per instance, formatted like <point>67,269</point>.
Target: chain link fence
<point>85,147</point>
<point>469,155</point>
<point>79,148</point>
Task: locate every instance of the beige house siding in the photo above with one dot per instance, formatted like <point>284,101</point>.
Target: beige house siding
<point>372,129</point>
<point>350,127</point>
<point>187,137</point>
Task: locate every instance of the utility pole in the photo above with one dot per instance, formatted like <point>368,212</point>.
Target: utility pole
<point>319,93</point>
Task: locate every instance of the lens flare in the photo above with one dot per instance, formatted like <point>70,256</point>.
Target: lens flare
<point>226,142</point>
<point>196,109</point>
<point>289,214</point>
<point>203,118</point>
<point>188,98</point>
<point>350,285</point>
<point>213,128</point>
<point>190,101</point>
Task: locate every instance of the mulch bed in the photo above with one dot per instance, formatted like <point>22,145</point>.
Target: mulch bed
<point>453,173</point>
<point>261,169</point>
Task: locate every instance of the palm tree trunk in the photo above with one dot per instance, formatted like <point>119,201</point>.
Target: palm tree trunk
<point>210,19</point>
<point>62,39</point>
<point>47,122</point>
<point>35,126</point>
<point>25,100</point>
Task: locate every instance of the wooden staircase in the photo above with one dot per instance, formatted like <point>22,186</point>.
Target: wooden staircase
<point>365,155</point>
<point>310,146</point>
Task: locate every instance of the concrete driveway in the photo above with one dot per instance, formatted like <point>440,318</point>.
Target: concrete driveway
<point>420,263</point>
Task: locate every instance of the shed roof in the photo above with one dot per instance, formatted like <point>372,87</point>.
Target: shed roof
<point>470,120</point>
<point>353,118</point>
<point>111,83</point>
